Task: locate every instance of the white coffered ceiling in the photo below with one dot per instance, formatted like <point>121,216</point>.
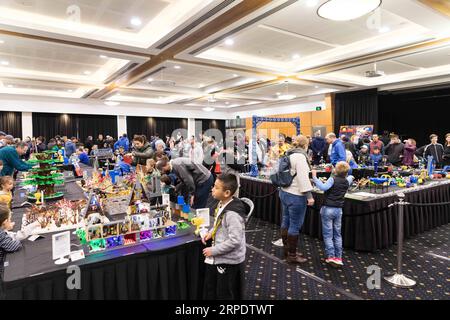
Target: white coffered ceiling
<point>221,54</point>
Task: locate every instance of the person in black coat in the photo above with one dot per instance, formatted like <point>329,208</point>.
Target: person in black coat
<point>434,149</point>
<point>446,155</point>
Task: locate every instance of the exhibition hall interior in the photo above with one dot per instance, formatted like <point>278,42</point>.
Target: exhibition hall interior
<point>225,150</point>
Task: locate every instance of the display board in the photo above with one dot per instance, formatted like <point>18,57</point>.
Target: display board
<point>356,131</point>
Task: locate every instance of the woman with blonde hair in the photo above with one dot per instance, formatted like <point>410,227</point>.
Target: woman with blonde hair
<point>295,198</point>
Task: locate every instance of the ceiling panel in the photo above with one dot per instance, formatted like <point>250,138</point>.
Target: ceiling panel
<point>302,19</point>
<point>428,59</point>
<point>114,14</point>
<point>40,56</point>
<point>389,68</point>
<point>273,45</point>
<point>191,76</point>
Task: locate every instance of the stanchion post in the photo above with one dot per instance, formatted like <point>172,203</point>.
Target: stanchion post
<point>399,279</point>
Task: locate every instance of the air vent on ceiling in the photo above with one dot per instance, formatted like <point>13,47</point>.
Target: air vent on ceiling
<point>162,83</point>
<point>89,93</point>
<point>195,23</point>
<point>126,68</point>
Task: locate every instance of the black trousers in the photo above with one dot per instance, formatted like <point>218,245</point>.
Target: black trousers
<point>224,282</point>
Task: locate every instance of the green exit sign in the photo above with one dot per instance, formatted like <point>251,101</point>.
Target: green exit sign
<point>318,108</point>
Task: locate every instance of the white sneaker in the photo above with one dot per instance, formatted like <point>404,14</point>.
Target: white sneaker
<point>278,243</point>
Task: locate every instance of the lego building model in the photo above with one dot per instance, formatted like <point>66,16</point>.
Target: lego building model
<point>44,178</point>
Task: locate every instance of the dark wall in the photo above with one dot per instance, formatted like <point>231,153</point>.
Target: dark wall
<point>149,126</point>
<point>356,108</point>
<point>11,123</point>
<point>211,124</point>
<point>416,114</point>
<point>49,125</point>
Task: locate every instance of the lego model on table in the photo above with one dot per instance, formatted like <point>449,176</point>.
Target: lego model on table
<point>115,193</point>
<point>142,224</point>
<point>44,178</point>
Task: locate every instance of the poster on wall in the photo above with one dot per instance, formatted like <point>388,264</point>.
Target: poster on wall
<point>356,132</point>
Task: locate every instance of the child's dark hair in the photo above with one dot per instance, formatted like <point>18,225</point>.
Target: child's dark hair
<point>5,213</point>
<point>166,179</point>
<point>229,182</point>
<point>4,180</point>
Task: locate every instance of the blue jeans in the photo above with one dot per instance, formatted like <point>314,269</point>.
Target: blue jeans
<point>294,209</point>
<point>331,230</point>
<point>202,193</point>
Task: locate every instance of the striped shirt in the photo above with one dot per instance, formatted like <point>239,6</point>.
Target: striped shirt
<point>7,245</point>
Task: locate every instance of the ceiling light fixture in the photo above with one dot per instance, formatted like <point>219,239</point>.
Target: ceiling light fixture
<point>295,56</point>
<point>287,96</point>
<point>103,56</point>
<point>229,42</point>
<point>87,72</point>
<point>384,29</point>
<point>150,79</point>
<point>177,67</point>
<point>112,103</point>
<point>235,75</point>
<point>208,109</point>
<point>344,10</point>
<point>2,42</point>
<point>317,87</point>
<point>135,21</point>
<point>10,86</point>
<point>5,63</point>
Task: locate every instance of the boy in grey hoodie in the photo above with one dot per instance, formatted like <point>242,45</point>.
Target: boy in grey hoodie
<point>225,258</point>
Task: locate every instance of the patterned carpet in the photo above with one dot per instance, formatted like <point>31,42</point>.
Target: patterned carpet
<point>426,259</point>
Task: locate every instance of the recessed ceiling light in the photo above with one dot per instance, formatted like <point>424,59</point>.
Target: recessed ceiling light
<point>384,29</point>
<point>150,79</point>
<point>103,56</point>
<point>112,103</point>
<point>227,102</point>
<point>208,109</point>
<point>10,86</point>
<point>287,97</point>
<point>295,56</point>
<point>235,75</point>
<point>70,90</point>
<point>229,42</point>
<point>5,63</point>
<point>311,3</point>
<point>177,67</point>
<point>87,72</point>
<point>278,93</point>
<point>201,85</point>
<point>135,21</point>
<point>344,10</point>
<point>317,87</point>
<point>1,41</point>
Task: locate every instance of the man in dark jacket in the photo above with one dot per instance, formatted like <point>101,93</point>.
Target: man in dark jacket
<point>394,151</point>
<point>318,147</point>
<point>434,149</point>
<point>141,152</point>
<point>196,178</point>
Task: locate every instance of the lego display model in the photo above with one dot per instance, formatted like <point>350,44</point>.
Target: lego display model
<point>143,223</point>
<point>43,179</point>
<point>114,194</point>
<point>58,216</point>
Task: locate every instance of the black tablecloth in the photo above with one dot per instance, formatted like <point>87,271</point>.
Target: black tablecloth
<point>172,268</point>
<point>362,233</point>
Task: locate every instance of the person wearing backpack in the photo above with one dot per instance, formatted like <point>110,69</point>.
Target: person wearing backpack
<point>295,196</point>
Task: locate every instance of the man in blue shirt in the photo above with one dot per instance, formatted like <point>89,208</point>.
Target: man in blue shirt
<point>10,156</point>
<point>69,147</point>
<point>122,142</point>
<point>82,156</point>
<point>337,151</point>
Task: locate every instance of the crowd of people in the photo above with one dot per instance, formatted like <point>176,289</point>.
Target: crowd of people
<point>201,167</point>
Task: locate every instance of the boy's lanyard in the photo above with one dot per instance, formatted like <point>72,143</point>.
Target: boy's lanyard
<point>218,220</point>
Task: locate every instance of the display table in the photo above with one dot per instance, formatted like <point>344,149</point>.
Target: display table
<point>368,224</point>
<point>169,268</point>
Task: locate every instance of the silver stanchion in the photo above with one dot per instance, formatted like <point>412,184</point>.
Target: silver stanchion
<point>399,279</point>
